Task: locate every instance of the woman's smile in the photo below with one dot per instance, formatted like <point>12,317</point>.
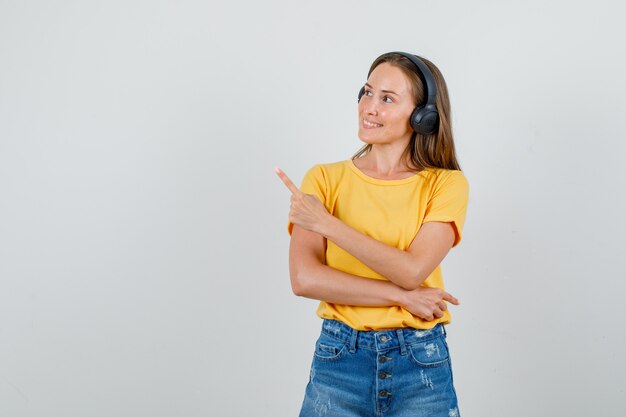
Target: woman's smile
<point>370,125</point>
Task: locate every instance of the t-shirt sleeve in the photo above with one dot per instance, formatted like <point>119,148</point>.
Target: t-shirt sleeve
<point>449,202</point>
<point>313,182</point>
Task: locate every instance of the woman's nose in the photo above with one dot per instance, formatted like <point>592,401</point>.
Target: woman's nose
<point>369,105</point>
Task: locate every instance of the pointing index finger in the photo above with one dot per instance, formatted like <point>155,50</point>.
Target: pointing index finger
<point>451,299</point>
<point>285,179</point>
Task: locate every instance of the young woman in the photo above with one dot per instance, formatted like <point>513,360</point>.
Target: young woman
<point>367,237</point>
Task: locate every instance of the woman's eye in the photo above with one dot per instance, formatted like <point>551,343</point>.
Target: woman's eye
<point>387,99</point>
<point>368,93</point>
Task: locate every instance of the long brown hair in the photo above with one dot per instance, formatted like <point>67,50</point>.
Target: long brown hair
<point>423,151</point>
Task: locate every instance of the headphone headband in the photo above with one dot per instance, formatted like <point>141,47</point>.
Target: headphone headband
<point>430,86</point>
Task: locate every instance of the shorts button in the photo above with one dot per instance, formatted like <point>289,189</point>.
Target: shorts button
<point>384,393</point>
<point>384,375</point>
<point>384,338</point>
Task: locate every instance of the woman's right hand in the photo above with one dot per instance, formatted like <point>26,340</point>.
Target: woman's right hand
<point>428,303</point>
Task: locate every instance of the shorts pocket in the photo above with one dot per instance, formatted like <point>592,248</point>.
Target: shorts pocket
<point>328,348</point>
<point>430,353</point>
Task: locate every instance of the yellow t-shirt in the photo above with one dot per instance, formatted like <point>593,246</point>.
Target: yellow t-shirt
<point>392,212</point>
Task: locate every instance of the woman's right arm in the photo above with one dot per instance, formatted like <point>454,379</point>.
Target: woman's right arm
<point>312,278</point>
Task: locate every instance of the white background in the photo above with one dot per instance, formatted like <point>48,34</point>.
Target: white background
<point>143,241</point>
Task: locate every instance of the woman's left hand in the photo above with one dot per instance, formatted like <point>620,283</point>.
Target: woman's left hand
<point>307,211</point>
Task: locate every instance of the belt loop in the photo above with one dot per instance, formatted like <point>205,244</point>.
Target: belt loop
<point>401,340</point>
<point>443,330</point>
<point>353,337</point>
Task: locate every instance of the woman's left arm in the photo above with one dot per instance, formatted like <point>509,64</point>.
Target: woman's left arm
<point>407,269</point>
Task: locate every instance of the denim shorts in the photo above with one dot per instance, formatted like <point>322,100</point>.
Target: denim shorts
<point>392,373</point>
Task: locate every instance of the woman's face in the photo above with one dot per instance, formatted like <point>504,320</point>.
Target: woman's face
<point>385,107</point>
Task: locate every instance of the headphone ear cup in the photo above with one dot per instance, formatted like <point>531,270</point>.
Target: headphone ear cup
<point>361,92</point>
<point>425,120</point>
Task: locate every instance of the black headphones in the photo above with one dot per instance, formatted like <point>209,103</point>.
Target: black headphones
<point>424,119</point>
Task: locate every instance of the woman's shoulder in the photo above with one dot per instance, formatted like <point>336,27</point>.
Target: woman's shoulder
<point>444,173</point>
<point>330,168</point>
<point>441,178</point>
<point>334,165</point>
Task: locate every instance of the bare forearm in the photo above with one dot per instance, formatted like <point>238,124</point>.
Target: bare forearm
<point>395,264</point>
<point>322,282</point>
